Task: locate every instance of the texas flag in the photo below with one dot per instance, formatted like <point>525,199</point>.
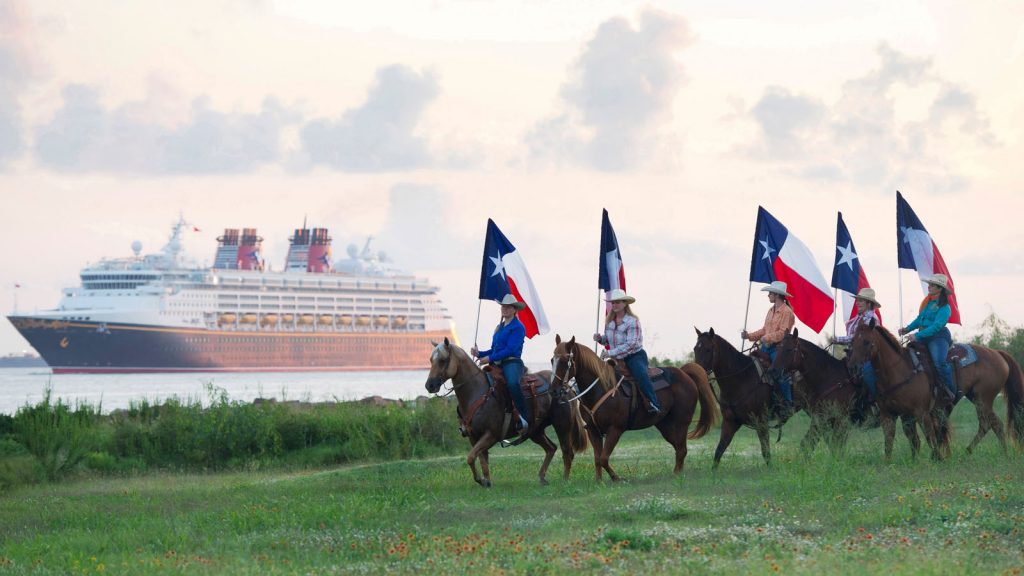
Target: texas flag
<point>611,274</point>
<point>779,255</point>
<point>847,274</point>
<point>917,251</point>
<point>504,272</point>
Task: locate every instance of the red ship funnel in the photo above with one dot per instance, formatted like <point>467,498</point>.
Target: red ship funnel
<point>319,255</point>
<point>250,248</point>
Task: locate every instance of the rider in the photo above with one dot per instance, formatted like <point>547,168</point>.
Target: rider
<point>778,322</point>
<point>506,351</point>
<point>624,340</point>
<point>931,329</point>
<point>866,306</point>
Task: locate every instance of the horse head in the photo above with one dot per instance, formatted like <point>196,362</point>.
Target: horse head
<point>563,362</point>
<point>788,356</point>
<point>863,348</point>
<point>442,366</point>
<point>704,351</point>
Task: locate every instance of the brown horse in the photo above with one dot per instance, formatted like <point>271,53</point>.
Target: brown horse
<point>483,412</point>
<point>995,371</point>
<point>745,398</point>
<point>609,413</point>
<point>827,392</point>
<point>901,391</point>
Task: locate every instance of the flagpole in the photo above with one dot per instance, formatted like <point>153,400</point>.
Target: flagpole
<point>476,331</point>
<point>746,313</point>
<point>835,309</point>
<point>597,320</point>
<point>899,275</point>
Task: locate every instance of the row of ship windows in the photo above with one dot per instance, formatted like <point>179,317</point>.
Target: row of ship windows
<point>147,278</point>
<point>303,340</point>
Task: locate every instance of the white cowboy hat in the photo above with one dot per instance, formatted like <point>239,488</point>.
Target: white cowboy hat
<point>939,280</point>
<point>510,300</point>
<point>868,294</point>
<point>619,295</point>
<point>777,287</point>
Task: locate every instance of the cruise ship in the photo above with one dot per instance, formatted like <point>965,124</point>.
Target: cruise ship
<point>152,313</point>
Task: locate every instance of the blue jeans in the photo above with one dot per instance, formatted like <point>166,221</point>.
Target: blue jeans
<point>938,346</point>
<point>637,364</point>
<point>869,378</point>
<point>513,372</point>
<point>785,383</point>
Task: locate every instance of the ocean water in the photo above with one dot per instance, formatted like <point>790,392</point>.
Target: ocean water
<point>21,386</point>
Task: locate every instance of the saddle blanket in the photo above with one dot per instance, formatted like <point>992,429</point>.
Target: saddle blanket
<point>964,354</point>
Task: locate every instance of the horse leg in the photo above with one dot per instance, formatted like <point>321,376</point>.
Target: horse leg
<point>729,428</point>
<point>568,453</point>
<point>597,443</point>
<point>540,438</point>
<point>675,434</point>
<point>766,450</point>
<point>810,440</point>
<point>611,439</point>
<point>932,434</point>
<point>479,449</point>
<point>889,432</point>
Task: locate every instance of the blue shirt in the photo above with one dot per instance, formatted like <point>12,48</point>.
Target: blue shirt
<point>507,341</point>
<point>931,320</point>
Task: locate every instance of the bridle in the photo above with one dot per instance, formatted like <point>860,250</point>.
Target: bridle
<point>714,360</point>
<point>570,381</point>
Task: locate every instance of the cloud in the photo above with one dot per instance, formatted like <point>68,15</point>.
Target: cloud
<point>380,135</point>
<point>18,66</point>
<point>84,136</point>
<point>861,139</point>
<point>619,92</point>
<point>417,233</point>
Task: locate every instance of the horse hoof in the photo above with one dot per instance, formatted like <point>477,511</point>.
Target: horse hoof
<point>543,482</point>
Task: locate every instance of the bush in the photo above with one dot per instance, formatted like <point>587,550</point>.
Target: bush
<point>56,435</point>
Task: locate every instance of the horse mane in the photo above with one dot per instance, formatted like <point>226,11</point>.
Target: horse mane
<point>819,354</point>
<point>593,363</point>
<point>889,339</point>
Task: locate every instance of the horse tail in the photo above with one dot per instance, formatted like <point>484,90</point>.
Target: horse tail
<point>578,439</point>
<point>709,414</point>
<point>1014,392</point>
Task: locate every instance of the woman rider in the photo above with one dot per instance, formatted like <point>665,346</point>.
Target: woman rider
<point>931,329</point>
<point>777,324</point>
<point>506,352</point>
<point>624,340</point>
<point>866,306</point>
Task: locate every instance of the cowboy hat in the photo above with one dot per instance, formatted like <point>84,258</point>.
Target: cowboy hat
<point>868,294</point>
<point>619,295</point>
<point>777,287</point>
<point>510,300</point>
<point>939,280</point>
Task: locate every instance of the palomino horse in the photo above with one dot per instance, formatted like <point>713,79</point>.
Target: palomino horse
<point>901,391</point>
<point>828,392</point>
<point>608,414</point>
<point>745,398</point>
<point>482,412</point>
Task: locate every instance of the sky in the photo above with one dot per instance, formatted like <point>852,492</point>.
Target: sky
<point>415,121</point>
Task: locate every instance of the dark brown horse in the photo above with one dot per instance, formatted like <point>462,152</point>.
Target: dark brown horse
<point>902,392</point>
<point>483,412</point>
<point>827,392</point>
<point>609,413</point>
<point>744,396</point>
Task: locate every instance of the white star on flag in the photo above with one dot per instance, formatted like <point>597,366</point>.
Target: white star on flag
<point>767,249</point>
<point>499,266</point>
<point>848,255</point>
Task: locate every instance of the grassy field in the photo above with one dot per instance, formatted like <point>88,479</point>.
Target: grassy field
<point>850,514</point>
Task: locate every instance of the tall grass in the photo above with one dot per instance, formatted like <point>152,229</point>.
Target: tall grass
<point>216,435</point>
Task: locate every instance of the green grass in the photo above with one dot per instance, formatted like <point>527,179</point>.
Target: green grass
<point>852,514</point>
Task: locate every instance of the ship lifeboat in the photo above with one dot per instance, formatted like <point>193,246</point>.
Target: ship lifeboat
<point>306,319</point>
<point>226,319</point>
<point>344,320</point>
<point>248,319</point>
<point>268,320</point>
<point>382,321</point>
<point>363,320</point>
<point>287,318</point>
<point>399,322</point>
<point>325,320</point>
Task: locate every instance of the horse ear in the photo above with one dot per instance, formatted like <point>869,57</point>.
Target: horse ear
<point>711,331</point>
<point>697,330</point>
<point>447,344</point>
<point>433,344</point>
<point>572,340</point>
<point>796,332</point>
<point>558,339</point>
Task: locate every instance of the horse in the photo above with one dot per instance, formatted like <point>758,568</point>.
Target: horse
<point>980,382</point>
<point>608,414</point>
<point>901,391</point>
<point>828,392</point>
<point>482,412</point>
<point>745,398</point>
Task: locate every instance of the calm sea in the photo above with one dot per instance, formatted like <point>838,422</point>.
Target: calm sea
<point>20,386</point>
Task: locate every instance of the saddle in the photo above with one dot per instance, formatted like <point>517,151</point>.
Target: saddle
<point>660,378</point>
<point>532,385</point>
<point>922,362</point>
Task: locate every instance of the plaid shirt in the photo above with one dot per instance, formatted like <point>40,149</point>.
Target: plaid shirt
<point>853,323</point>
<point>777,324</point>
<point>624,337</point>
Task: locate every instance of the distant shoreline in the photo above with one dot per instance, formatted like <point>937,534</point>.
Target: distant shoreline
<point>23,362</point>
